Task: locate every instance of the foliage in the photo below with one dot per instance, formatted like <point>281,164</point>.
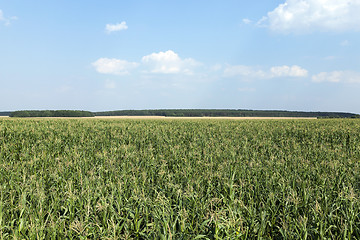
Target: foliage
<point>182,113</point>
<point>225,113</point>
<point>52,113</point>
<point>179,179</point>
<point>5,113</point>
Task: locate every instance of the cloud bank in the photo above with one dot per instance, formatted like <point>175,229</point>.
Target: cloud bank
<point>170,63</point>
<point>256,73</point>
<point>337,77</point>
<point>156,63</point>
<point>304,16</point>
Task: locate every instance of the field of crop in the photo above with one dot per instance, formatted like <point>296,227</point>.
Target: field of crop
<point>179,179</point>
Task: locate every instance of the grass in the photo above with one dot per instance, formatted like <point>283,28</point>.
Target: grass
<point>179,179</point>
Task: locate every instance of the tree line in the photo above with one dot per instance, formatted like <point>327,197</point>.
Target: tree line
<point>52,113</point>
<point>180,113</point>
<point>225,113</point>
<point>5,113</point>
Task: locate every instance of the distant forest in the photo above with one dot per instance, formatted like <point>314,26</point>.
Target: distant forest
<point>5,113</point>
<point>181,113</point>
<point>225,113</point>
<point>51,113</point>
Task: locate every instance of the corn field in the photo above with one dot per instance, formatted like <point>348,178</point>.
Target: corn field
<point>179,179</point>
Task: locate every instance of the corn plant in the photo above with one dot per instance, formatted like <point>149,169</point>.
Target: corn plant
<point>179,179</point>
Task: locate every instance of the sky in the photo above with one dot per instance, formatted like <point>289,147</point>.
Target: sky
<point>301,55</point>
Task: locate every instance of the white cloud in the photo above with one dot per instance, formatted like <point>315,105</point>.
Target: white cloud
<point>337,77</point>
<point>6,21</point>
<point>246,21</point>
<point>245,71</point>
<point>163,62</point>
<point>256,73</point>
<point>114,66</point>
<point>168,62</point>
<point>216,67</point>
<point>286,71</point>
<point>302,16</point>
<point>116,27</point>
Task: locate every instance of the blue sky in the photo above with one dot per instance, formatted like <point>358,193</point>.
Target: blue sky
<point>109,55</point>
